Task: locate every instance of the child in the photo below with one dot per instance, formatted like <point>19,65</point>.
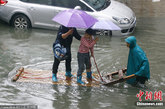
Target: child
<point>87,43</point>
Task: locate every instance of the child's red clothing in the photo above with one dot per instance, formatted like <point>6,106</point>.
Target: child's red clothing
<point>86,45</point>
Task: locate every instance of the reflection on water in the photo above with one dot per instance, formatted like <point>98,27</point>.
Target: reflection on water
<point>20,34</point>
<point>33,48</point>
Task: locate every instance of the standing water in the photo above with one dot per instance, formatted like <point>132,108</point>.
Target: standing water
<point>33,48</point>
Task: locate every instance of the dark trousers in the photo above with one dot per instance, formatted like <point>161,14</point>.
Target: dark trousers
<point>141,79</point>
<point>67,64</point>
<point>83,62</point>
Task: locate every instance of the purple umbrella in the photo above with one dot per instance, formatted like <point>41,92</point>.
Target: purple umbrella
<point>75,18</point>
<point>105,25</point>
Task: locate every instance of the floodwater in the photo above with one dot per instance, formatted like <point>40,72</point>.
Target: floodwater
<point>34,48</point>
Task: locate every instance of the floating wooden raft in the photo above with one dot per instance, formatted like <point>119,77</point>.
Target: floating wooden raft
<point>45,76</point>
<point>121,77</point>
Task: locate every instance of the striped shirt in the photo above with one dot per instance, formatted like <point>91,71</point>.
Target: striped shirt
<point>86,45</point>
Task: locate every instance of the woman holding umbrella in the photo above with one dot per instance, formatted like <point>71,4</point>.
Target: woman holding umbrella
<point>63,41</point>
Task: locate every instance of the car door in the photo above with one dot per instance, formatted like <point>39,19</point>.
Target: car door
<point>41,12</point>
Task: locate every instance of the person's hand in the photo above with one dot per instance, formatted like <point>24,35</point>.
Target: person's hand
<point>70,31</point>
<point>96,39</point>
<point>92,55</point>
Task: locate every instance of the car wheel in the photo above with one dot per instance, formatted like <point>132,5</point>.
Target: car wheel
<point>21,22</point>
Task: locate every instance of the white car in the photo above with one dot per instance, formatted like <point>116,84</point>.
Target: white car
<point>39,13</point>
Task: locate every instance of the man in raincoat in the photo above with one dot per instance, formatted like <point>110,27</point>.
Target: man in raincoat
<point>137,63</point>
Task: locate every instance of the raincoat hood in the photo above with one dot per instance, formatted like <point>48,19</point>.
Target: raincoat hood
<point>131,40</point>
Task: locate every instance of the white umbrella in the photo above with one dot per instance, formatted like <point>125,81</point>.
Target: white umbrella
<point>105,25</point>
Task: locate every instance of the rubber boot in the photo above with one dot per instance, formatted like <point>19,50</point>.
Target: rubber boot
<point>54,77</point>
<point>68,75</point>
<point>79,80</point>
<point>89,76</point>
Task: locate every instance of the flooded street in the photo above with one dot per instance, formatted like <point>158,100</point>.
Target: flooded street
<point>34,48</point>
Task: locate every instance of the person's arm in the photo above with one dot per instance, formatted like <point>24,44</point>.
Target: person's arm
<point>143,65</point>
<point>92,52</point>
<point>142,69</point>
<point>76,35</point>
<point>65,35</point>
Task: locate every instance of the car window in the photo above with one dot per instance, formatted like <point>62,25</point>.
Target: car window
<point>95,3</point>
<point>70,4</point>
<point>84,7</point>
<point>65,3</point>
<point>98,4</point>
<point>44,2</point>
